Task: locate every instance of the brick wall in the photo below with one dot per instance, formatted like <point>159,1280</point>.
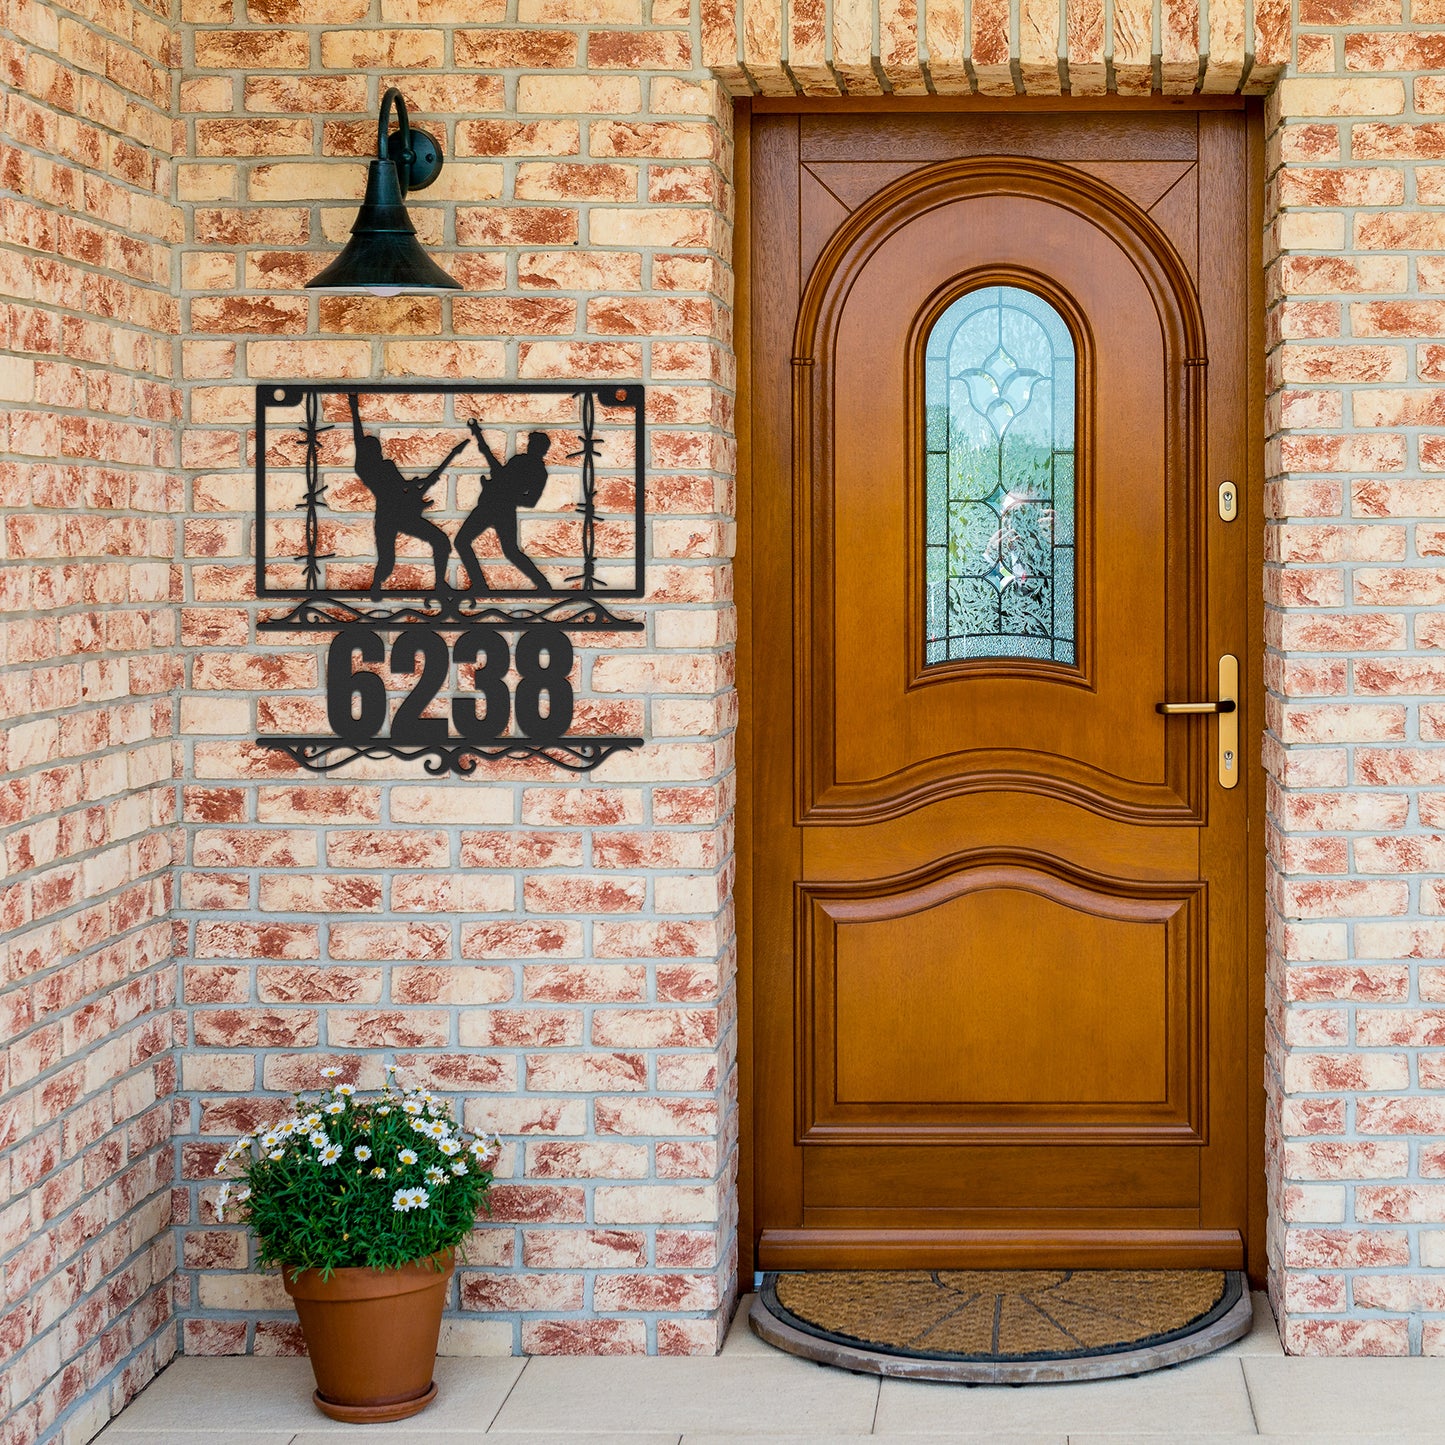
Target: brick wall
<point>89,495</point>
<point>1354,580</point>
<point>557,954</point>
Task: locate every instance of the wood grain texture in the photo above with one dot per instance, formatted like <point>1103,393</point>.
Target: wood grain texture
<point>855,775</point>
<point>927,1031</point>
<point>936,1022</point>
<point>1004,1247</point>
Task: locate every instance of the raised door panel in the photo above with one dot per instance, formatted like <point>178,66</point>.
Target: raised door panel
<point>999,999</point>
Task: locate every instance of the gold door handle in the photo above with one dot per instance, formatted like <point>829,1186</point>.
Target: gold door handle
<point>1175,709</point>
<point>1227,709</point>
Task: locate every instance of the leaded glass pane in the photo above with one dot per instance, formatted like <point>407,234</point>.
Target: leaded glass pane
<point>999,434</point>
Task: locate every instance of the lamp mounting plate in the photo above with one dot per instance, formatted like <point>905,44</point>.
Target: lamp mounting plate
<point>426,157</point>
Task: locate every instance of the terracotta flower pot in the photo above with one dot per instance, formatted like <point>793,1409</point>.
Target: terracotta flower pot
<point>372,1336</point>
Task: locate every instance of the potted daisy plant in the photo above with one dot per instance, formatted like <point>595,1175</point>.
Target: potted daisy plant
<point>363,1202</point>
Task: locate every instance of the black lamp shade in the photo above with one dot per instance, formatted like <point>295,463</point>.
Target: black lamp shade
<point>383,255</point>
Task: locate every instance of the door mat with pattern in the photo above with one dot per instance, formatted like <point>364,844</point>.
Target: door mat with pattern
<point>997,1326</point>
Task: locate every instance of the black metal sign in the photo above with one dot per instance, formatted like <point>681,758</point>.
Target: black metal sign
<point>481,524</point>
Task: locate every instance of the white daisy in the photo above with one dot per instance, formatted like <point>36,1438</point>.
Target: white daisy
<point>331,1073</point>
<point>437,1129</point>
<point>311,1120</point>
<point>378,1172</point>
<point>450,1146</point>
<point>331,1154</point>
<point>407,1199</point>
<point>435,1176</point>
<point>412,1106</point>
<point>336,1106</point>
<point>319,1139</point>
<point>277,1154</point>
<point>362,1152</point>
<point>459,1167</point>
<point>407,1156</point>
<point>345,1090</point>
<point>384,1110</point>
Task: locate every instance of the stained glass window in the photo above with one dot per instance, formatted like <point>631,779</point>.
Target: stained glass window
<point>999,392</point>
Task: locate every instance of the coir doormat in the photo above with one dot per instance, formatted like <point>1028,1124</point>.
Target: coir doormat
<point>1002,1326</point>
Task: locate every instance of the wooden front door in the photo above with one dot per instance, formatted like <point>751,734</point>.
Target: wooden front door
<point>999,372</point>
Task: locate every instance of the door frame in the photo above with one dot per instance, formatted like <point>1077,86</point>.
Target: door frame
<point>1253,516</point>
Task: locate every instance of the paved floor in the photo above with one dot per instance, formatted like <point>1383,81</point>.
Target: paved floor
<point>1242,1393</point>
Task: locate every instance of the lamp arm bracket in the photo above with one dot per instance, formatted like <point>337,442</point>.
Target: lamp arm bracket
<point>416,155</point>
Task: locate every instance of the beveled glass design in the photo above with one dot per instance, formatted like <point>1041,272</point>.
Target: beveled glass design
<point>999,395</point>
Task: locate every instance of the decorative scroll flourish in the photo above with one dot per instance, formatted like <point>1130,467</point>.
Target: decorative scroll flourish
<point>586,615</point>
<point>1000,399</point>
<point>576,754</point>
<point>497,602</point>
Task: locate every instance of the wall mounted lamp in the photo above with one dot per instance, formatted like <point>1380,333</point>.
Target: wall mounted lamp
<point>383,256</point>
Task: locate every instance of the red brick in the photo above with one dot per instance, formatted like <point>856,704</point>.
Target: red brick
<point>516,49</point>
<point>387,1029</point>
<point>521,1292</point>
<point>585,1073</point>
<point>584,1337</point>
<point>389,941</point>
<point>255,1028</point>
<point>227,939</point>
<point>584,983</point>
<point>583,1249</point>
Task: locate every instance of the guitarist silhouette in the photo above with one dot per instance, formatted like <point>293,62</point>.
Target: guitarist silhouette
<point>400,501</point>
<point>517,482</point>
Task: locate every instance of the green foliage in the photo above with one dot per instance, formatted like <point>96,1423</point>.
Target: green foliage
<point>349,1180</point>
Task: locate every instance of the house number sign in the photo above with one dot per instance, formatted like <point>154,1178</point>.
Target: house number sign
<point>454,540</point>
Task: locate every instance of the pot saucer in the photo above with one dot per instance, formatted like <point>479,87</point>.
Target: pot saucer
<point>375,1414</point>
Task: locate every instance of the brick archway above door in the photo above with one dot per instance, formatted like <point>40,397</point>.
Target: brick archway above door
<point>872,47</point>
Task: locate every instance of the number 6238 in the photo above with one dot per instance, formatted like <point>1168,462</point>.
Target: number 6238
<point>356,703</point>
